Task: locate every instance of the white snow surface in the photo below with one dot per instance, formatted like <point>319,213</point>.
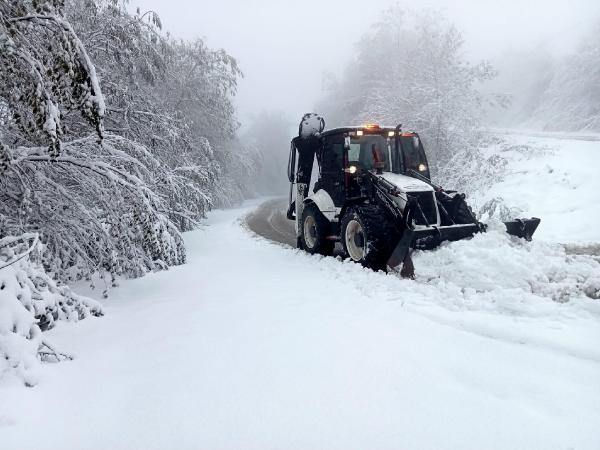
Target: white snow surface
<point>252,345</point>
<point>255,346</point>
<point>555,178</point>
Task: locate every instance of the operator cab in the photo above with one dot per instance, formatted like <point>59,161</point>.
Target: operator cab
<point>347,152</point>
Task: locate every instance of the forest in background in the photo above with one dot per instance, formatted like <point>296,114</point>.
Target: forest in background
<point>550,91</point>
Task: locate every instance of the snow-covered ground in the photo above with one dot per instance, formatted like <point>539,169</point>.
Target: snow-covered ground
<point>252,345</point>
<point>555,179</point>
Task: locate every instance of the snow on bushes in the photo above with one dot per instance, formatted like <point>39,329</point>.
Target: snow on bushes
<point>94,208</point>
<point>474,171</point>
<point>20,336</point>
<point>30,302</point>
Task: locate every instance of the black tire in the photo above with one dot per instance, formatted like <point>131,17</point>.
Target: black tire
<point>378,236</point>
<point>315,223</point>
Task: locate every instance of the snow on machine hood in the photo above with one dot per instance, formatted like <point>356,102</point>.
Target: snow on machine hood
<point>406,183</point>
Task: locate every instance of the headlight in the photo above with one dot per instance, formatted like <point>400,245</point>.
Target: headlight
<point>352,170</point>
<point>422,167</point>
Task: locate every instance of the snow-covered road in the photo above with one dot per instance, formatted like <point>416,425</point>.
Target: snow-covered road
<point>254,346</point>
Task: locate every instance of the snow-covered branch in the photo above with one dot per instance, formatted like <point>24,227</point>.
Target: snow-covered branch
<point>104,203</point>
<point>17,258</point>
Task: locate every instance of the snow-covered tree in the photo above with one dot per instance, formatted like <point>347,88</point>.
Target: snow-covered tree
<point>85,196</point>
<point>174,97</point>
<point>409,69</point>
<point>200,89</point>
<point>523,77</point>
<point>114,138</point>
<point>552,91</point>
<point>571,101</point>
<point>45,71</point>
<point>81,192</point>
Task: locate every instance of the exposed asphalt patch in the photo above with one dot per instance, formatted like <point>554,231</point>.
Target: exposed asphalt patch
<point>269,221</point>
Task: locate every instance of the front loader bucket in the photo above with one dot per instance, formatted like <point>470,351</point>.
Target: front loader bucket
<point>522,228</point>
<point>428,238</point>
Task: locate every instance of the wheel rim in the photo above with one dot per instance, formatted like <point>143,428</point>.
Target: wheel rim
<point>355,239</point>
<point>310,231</point>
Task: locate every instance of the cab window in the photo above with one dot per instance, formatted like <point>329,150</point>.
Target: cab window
<point>362,150</point>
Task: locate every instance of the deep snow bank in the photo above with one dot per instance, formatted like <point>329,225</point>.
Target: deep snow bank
<point>510,274</point>
<point>518,175</point>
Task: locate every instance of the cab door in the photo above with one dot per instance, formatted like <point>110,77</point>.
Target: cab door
<point>331,169</point>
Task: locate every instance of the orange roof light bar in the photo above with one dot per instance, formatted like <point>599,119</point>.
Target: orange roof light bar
<point>371,126</point>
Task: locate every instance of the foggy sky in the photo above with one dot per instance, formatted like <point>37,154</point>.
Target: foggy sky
<point>285,47</point>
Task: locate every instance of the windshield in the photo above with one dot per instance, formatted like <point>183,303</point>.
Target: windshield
<point>413,154</point>
<point>362,150</point>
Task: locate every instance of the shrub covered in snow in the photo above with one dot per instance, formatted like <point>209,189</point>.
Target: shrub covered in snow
<point>475,170</point>
<point>31,302</point>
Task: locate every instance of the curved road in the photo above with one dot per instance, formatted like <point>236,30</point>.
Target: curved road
<point>269,221</point>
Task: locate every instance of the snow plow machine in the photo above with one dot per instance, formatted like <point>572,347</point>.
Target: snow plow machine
<point>375,196</point>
